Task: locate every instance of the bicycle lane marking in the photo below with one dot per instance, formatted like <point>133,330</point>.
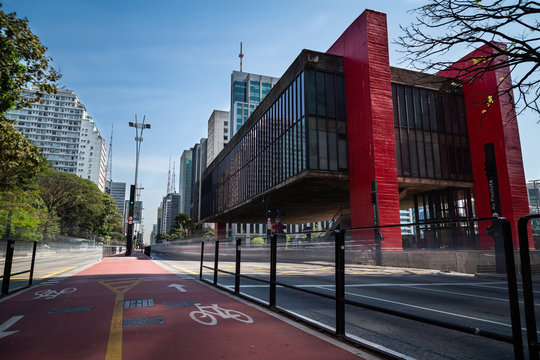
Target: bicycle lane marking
<point>119,287</point>
<point>212,311</point>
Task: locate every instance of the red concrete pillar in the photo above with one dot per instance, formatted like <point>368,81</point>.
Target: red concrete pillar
<point>497,124</point>
<point>370,123</point>
<point>220,231</point>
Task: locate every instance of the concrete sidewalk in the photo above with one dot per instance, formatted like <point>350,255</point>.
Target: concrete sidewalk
<point>131,308</point>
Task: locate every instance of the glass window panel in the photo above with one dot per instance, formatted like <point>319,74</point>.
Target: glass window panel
<point>303,127</point>
<point>313,143</point>
<point>323,153</point>
<point>254,92</point>
<point>239,91</point>
<point>321,103</point>
<point>429,156</point>
<point>405,152</point>
<point>265,89</point>
<point>332,145</point>
<point>413,153</point>
<point>311,94</point>
<point>443,148</point>
<point>340,96</point>
<point>421,153</point>
<point>410,107</point>
<point>401,106</point>
<point>432,112</point>
<point>398,152</point>
<point>330,96</point>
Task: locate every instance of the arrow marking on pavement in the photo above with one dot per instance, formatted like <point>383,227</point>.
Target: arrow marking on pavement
<point>178,287</point>
<point>8,324</point>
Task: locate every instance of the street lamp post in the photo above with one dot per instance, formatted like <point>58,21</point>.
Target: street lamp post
<point>134,193</point>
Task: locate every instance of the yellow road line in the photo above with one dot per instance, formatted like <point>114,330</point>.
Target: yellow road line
<point>186,270</point>
<point>119,287</point>
<point>57,272</point>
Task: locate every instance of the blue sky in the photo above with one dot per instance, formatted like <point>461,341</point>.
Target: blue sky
<point>172,61</point>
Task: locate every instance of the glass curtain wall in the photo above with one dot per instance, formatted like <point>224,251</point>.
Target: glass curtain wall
<point>277,147</point>
<point>430,134</point>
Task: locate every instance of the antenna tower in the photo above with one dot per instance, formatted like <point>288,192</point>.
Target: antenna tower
<point>173,178</point>
<point>169,177</point>
<point>108,171</point>
<point>241,55</point>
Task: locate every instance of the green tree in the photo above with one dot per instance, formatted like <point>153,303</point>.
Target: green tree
<point>184,223</point>
<point>83,210</point>
<point>23,63</point>
<point>509,28</point>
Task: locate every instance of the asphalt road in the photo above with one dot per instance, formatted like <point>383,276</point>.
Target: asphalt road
<point>475,301</point>
<point>51,266</point>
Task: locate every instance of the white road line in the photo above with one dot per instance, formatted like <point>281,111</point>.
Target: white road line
<point>428,309</point>
<point>457,293</point>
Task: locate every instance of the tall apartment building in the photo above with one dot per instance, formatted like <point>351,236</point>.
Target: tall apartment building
<point>68,137</point>
<point>247,91</point>
<point>218,134</point>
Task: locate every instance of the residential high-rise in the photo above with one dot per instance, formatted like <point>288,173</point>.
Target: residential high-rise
<point>68,137</point>
<point>247,91</point>
<point>218,134</point>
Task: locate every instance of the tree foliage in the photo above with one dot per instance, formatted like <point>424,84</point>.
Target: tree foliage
<point>509,28</point>
<point>81,208</point>
<point>23,62</point>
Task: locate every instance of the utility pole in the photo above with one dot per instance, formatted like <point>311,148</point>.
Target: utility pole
<point>134,195</point>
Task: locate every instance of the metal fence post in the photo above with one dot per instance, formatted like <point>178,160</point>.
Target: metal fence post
<point>216,262</point>
<point>273,269</point>
<point>528,297</point>
<point>339,236</point>
<point>237,270</point>
<point>512,287</point>
<point>202,259</point>
<point>7,266</point>
<point>31,278</point>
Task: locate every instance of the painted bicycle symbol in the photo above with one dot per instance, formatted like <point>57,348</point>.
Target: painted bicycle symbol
<point>206,315</point>
<point>51,294</point>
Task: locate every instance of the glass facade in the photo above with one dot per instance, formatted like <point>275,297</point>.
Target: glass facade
<point>430,134</point>
<point>239,91</point>
<point>278,147</point>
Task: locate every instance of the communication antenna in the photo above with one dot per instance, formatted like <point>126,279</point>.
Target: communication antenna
<point>169,177</point>
<point>173,178</point>
<point>241,55</point>
<point>108,177</point>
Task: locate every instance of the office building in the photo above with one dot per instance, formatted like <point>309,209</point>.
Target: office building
<point>67,136</point>
<point>117,190</point>
<point>185,181</point>
<point>170,207</point>
<point>247,92</point>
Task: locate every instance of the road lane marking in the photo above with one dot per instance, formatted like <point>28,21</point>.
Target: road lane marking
<point>8,324</point>
<point>178,287</point>
<point>185,270</point>
<point>119,287</point>
<point>425,308</point>
<point>57,272</point>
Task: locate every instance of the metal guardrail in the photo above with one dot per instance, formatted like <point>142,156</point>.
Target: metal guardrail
<point>6,277</point>
<point>528,295</point>
<point>112,250</point>
<point>340,300</point>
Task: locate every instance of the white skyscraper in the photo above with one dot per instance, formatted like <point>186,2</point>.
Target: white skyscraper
<point>218,134</point>
<point>66,134</point>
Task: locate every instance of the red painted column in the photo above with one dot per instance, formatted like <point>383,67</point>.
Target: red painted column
<point>498,124</point>
<point>220,231</point>
<point>370,123</point>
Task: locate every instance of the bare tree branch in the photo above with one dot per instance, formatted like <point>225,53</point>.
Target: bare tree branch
<point>509,28</point>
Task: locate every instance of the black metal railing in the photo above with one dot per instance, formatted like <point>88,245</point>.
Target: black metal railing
<point>528,294</point>
<point>501,226</point>
<point>8,265</point>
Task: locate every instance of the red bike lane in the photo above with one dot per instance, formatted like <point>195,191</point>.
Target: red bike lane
<point>131,308</point>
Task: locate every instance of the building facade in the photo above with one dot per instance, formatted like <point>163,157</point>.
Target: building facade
<point>341,123</point>
<point>117,190</point>
<point>170,207</point>
<point>218,134</point>
<point>67,136</point>
<point>185,181</point>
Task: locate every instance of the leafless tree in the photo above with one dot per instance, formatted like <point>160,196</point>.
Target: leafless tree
<point>509,29</point>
